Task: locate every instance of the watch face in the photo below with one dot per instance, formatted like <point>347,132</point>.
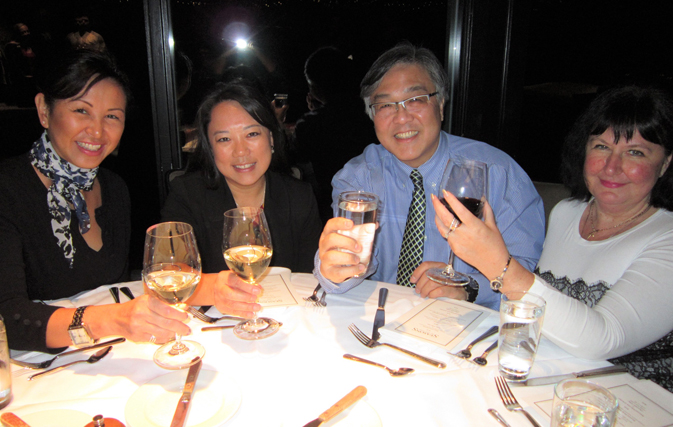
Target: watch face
<point>79,336</point>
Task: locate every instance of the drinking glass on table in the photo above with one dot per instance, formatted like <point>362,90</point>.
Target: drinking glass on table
<point>468,181</point>
<point>360,207</point>
<point>581,403</point>
<point>171,271</point>
<point>521,317</point>
<point>247,249</point>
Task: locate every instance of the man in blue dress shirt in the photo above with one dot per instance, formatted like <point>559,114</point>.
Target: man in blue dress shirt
<point>405,91</point>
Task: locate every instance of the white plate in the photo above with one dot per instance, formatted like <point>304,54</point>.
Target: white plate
<point>56,418</point>
<point>215,400</point>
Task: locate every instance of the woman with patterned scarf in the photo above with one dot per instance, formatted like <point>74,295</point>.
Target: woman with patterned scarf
<point>606,270</point>
<point>65,222</point>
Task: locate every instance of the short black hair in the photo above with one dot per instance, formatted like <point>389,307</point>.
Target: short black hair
<point>78,70</point>
<point>255,104</point>
<point>404,53</point>
<point>626,110</point>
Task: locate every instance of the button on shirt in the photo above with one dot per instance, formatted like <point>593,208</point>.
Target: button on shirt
<point>517,206</point>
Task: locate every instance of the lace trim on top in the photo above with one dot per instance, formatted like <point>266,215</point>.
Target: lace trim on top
<point>654,362</point>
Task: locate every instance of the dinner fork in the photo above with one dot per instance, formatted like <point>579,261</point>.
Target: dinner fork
<point>47,363</point>
<point>92,359</point>
<point>510,401</point>
<point>313,299</point>
<point>364,339</point>
<point>205,318</point>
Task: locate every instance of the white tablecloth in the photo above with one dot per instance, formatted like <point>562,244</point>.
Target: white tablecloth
<point>290,378</point>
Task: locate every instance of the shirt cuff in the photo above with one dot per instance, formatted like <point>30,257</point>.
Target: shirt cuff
<point>331,287</point>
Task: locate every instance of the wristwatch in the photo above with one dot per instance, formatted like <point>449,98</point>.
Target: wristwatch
<point>496,284</point>
<point>79,333</point>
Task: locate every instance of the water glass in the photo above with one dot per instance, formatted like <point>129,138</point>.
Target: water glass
<point>581,403</point>
<point>360,207</point>
<point>521,317</point>
<point>5,369</point>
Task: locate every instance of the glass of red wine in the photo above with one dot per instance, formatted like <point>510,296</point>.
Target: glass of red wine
<point>468,181</point>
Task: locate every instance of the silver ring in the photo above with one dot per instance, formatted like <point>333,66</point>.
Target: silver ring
<point>454,224</point>
<point>153,339</point>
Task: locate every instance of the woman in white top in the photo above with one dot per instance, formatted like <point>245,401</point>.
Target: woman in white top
<point>606,270</point>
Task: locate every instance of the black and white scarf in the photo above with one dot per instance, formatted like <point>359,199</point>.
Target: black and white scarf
<point>67,180</point>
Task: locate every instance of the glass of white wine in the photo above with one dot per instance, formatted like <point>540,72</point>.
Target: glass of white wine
<point>247,249</point>
<point>171,271</point>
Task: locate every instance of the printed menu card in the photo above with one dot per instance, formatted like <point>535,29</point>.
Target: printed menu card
<point>278,292</point>
<point>443,323</point>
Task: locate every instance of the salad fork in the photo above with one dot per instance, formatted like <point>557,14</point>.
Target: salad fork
<point>205,318</point>
<point>510,401</point>
<point>368,342</point>
<point>313,299</point>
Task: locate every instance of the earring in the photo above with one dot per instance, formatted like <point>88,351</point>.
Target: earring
<point>272,150</point>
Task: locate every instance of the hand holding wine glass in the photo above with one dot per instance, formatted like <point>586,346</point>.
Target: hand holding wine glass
<point>171,271</point>
<point>468,181</point>
<point>247,250</point>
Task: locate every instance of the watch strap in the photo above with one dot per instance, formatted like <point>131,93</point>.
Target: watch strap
<point>77,317</point>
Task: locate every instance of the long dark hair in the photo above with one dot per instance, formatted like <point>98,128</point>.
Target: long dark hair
<point>79,70</point>
<point>625,110</point>
<point>255,104</point>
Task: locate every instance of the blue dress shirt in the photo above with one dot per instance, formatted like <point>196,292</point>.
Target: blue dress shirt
<point>518,209</point>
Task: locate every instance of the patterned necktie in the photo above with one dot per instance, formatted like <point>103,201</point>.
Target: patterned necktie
<point>411,253</point>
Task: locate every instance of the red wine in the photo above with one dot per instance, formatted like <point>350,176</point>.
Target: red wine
<point>475,206</point>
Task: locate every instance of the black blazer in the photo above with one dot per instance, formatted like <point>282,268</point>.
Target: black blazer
<point>289,205</point>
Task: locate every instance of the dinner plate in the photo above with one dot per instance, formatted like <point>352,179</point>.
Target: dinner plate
<point>215,400</point>
<point>56,418</point>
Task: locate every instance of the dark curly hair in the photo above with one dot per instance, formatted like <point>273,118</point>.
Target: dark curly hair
<point>255,104</point>
<point>625,110</point>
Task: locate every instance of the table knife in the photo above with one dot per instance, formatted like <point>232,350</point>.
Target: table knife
<point>380,318</point>
<point>583,374</point>
<point>115,293</point>
<point>186,398</point>
<point>126,291</point>
<point>356,394</point>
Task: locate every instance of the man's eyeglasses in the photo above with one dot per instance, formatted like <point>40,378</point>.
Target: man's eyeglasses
<point>414,104</point>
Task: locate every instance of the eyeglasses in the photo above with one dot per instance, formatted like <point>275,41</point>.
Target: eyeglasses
<point>414,104</point>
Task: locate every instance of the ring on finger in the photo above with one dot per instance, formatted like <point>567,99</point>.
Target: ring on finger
<point>454,224</point>
<point>153,339</point>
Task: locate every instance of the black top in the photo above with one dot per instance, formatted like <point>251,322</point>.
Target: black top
<point>289,206</point>
<point>33,267</point>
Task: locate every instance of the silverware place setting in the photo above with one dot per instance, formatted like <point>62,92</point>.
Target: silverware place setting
<point>205,318</point>
<point>314,300</point>
<point>47,363</point>
<point>368,342</point>
<point>466,353</point>
<point>92,359</point>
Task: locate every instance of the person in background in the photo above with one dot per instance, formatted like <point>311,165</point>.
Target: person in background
<point>335,129</point>
<point>238,162</point>
<point>65,222</point>
<point>84,37</point>
<point>405,91</point>
<point>605,271</point>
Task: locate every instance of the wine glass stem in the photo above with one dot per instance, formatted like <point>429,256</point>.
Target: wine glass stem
<point>178,346</point>
<point>449,267</point>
